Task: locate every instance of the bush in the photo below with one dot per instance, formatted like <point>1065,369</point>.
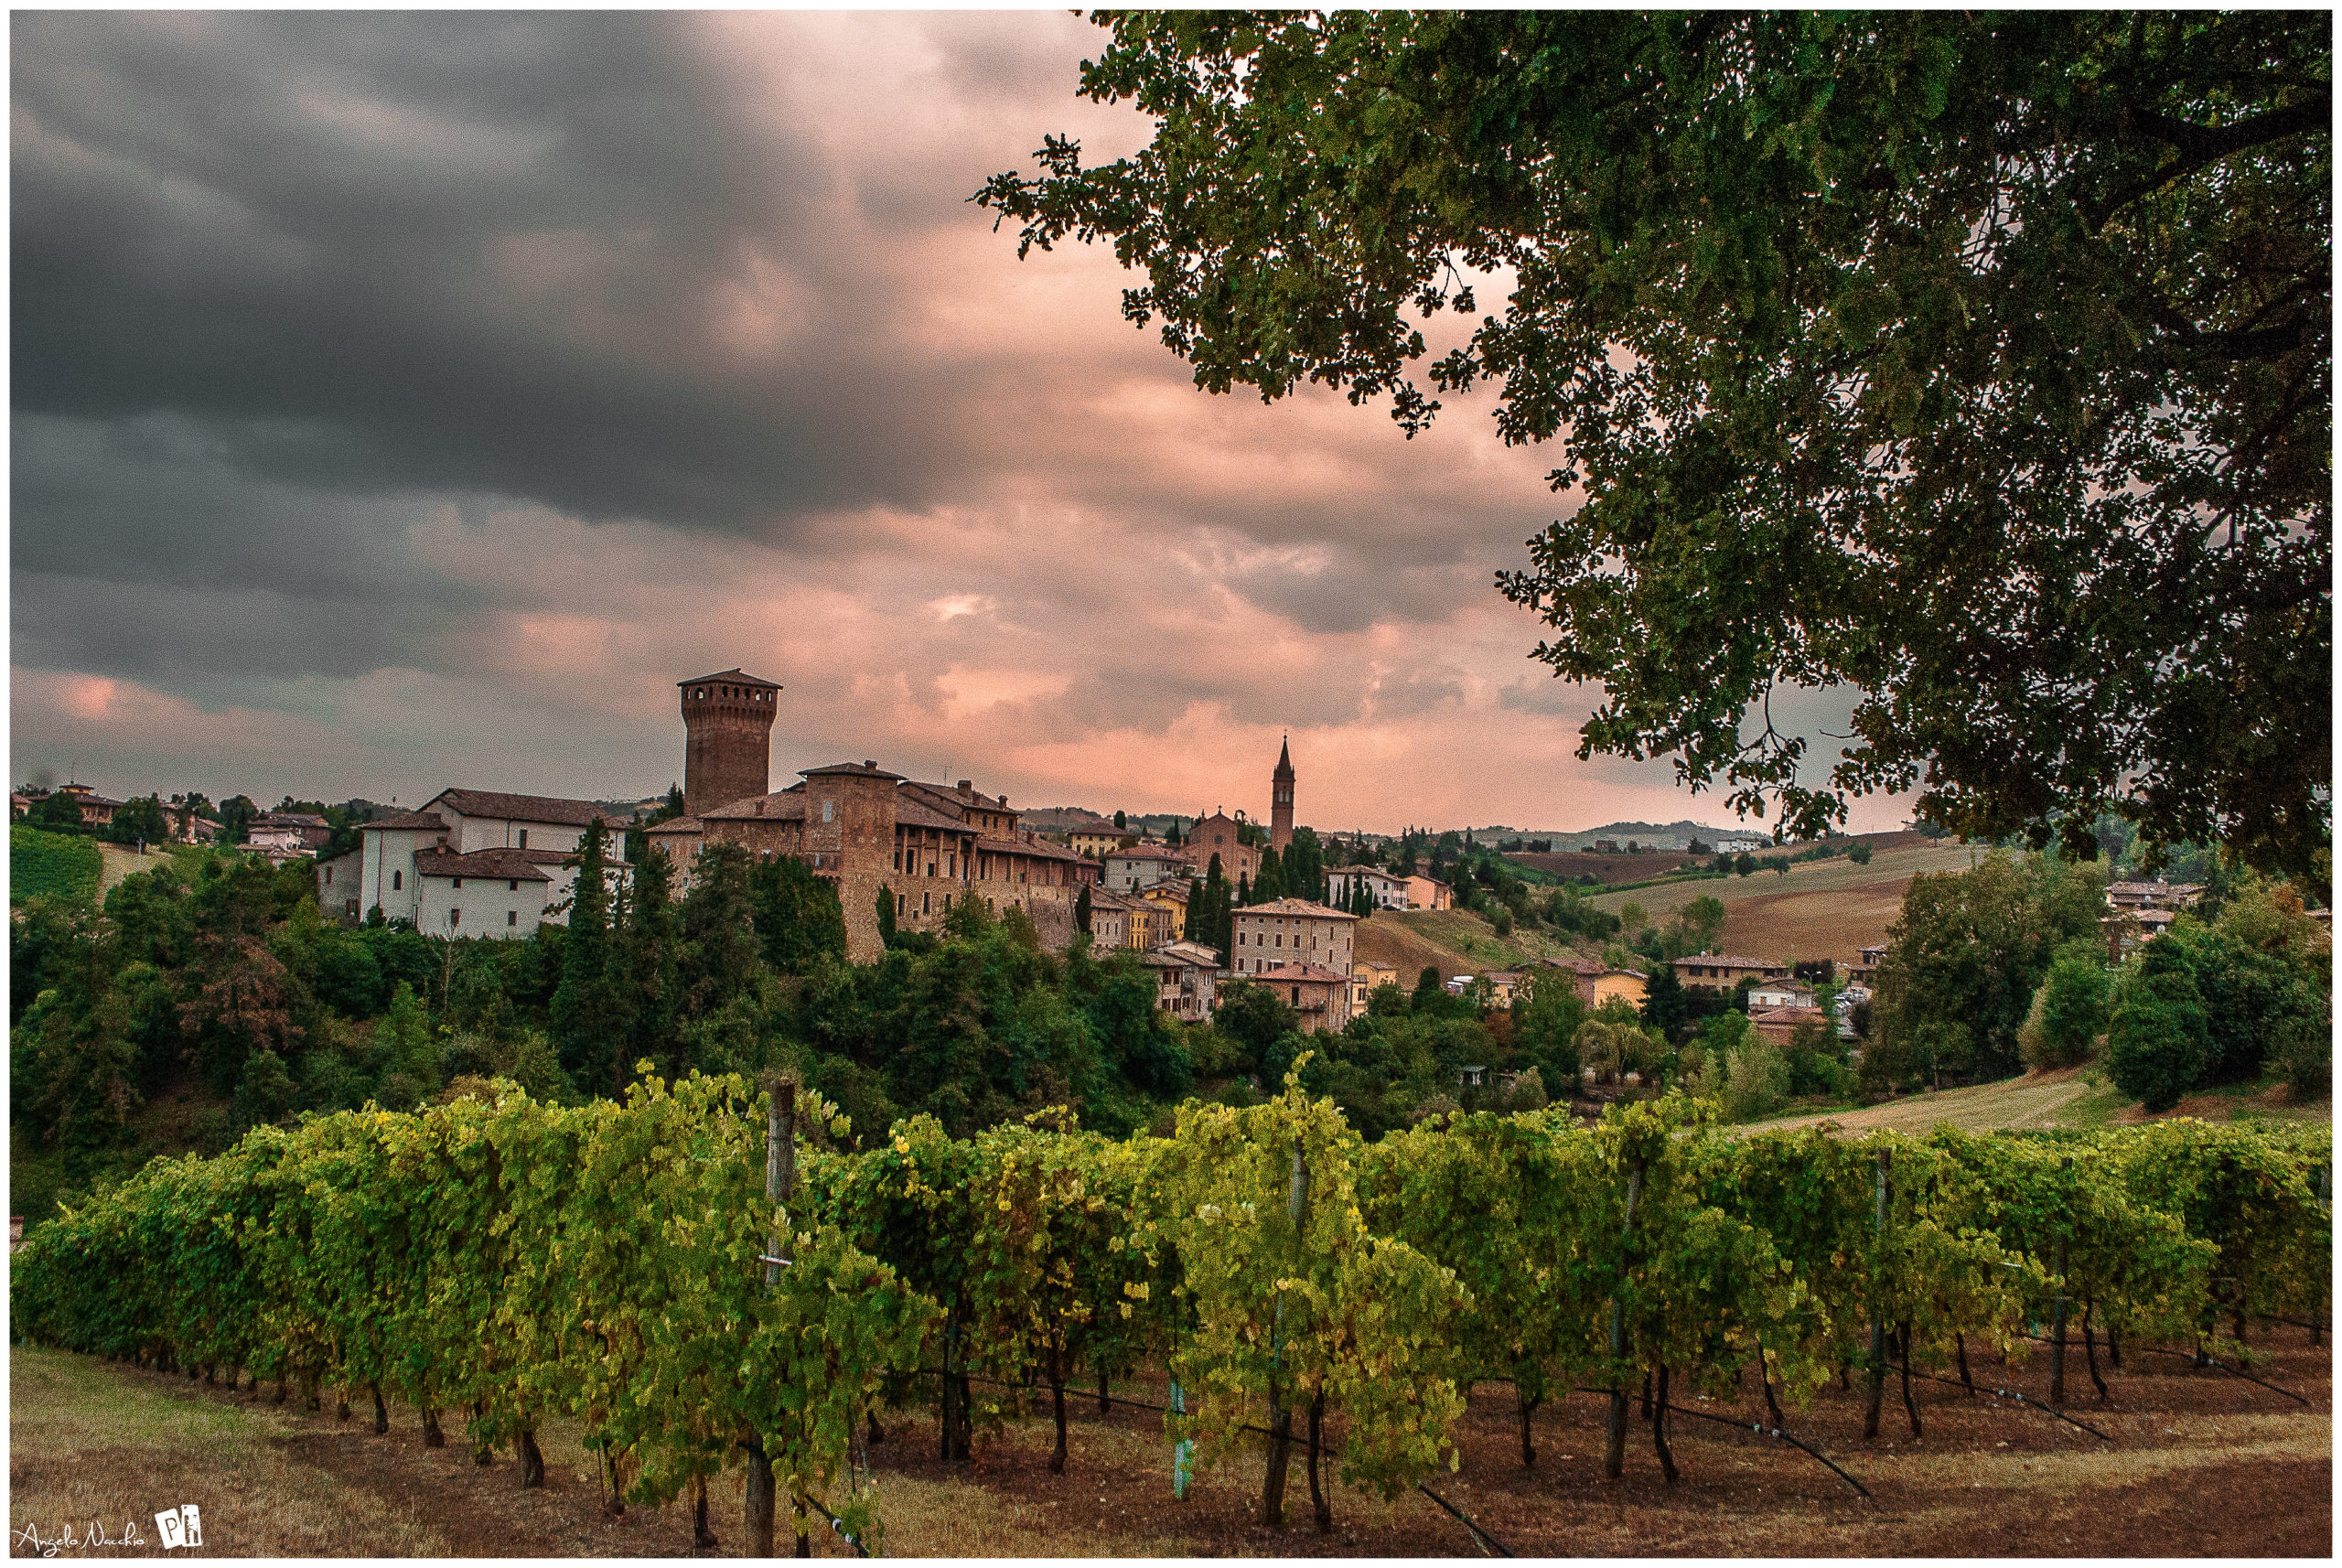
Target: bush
<point>1755,1078</point>
<point>2158,1044</point>
<point>2301,1050</point>
<point>2068,1013</point>
<point>1859,853</point>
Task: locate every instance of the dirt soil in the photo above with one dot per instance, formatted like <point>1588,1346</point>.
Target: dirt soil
<point>1987,1478</point>
<point>2032,1101</point>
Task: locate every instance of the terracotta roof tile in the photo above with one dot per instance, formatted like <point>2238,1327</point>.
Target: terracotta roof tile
<point>858,769</point>
<point>407,821</point>
<point>1297,907</point>
<point>486,864</point>
<point>776,807</point>
<point>548,809</point>
<point>736,676</point>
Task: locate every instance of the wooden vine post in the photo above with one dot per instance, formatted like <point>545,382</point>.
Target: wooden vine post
<point>1183,1453</point>
<point>1614,1458</point>
<point>780,1176</point>
<point>1279,1415</point>
<point>2058,1326</point>
<point>1875,1394</point>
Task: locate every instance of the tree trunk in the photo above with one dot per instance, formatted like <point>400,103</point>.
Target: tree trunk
<point>804,1531</point>
<point>1320,1506</point>
<point>382,1414</point>
<point>2058,1340</point>
<point>2115,1346</point>
<point>1960,1347</point>
<point>702,1536</point>
<point>1659,1431</point>
<point>760,1519</point>
<point>532,1462</point>
<point>482,1452</point>
<point>281,1391</point>
<point>2090,1348</point>
<point>878,1433</point>
<point>1527,1446</point>
<point>431,1436</point>
<point>1057,1405</point>
<point>1646,1405</point>
<point>309,1392</point>
<point>1874,1387</point>
<point>341,1408</point>
<point>614,1498</point>
<point>1909,1408</point>
<point>1280,1459</point>
<point>1614,1454</point>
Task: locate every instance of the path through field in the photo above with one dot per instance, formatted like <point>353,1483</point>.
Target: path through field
<point>1819,909</point>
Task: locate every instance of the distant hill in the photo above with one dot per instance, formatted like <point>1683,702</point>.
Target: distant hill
<point>1650,835</point>
<point>1061,819</point>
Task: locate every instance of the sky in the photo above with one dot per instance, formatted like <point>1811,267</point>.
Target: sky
<point>408,401</point>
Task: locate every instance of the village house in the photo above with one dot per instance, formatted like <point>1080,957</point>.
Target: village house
<point>1170,901</point>
<point>1779,1024</point>
<point>2134,896</point>
<point>1100,841</point>
<point>1864,970</point>
<point>1721,971</point>
<point>1597,983</point>
<point>1112,920</point>
<point>1388,889</point>
<point>1292,931</point>
<point>1144,865</point>
<point>1779,993</point>
<point>1366,979</point>
<point>97,811</point>
<point>1185,976</point>
<point>1429,893</point>
<point>1321,995</point>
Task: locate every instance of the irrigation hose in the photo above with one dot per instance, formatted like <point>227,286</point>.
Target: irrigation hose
<point>2223,1366</point>
<point>839,1525</point>
<point>1761,1428</point>
<point>2018,1397</point>
<point>1493,1545</point>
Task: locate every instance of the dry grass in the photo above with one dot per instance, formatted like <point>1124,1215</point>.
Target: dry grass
<point>1821,908</point>
<point>2034,1100</point>
<point>88,1444</point>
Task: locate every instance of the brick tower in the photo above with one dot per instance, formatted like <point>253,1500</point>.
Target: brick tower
<point>1281,801</point>
<point>728,749</point>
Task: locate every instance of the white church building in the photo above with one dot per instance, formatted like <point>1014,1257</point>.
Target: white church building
<point>469,863</point>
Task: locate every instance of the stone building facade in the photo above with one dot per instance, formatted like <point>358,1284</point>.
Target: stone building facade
<point>727,743</point>
<point>1291,931</point>
<point>1216,835</point>
<point>862,829</point>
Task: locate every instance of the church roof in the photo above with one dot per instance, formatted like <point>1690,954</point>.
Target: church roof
<point>1285,761</point>
<point>498,806</point>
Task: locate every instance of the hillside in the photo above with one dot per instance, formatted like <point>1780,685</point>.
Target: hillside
<point>1456,941</point>
<point>1821,908</point>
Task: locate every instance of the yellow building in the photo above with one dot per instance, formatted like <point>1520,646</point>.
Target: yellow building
<point>1099,841</point>
<point>1170,901</point>
<point>1366,979</point>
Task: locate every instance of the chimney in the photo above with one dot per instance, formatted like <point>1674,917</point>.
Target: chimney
<point>870,764</point>
<point>967,786</point>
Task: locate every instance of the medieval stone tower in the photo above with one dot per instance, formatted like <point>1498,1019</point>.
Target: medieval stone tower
<point>1281,801</point>
<point>728,749</point>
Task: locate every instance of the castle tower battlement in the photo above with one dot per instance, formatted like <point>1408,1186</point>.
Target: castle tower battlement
<point>727,752</point>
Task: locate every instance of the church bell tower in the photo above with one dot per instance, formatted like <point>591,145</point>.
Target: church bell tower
<point>1281,800</point>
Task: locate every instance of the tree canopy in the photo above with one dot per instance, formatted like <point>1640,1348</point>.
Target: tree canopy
<point>1978,363</point>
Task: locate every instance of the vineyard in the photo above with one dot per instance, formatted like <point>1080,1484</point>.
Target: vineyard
<point>705,1283</point>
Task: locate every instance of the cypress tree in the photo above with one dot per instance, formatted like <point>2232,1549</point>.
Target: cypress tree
<point>1081,910</point>
<point>886,916</point>
<point>588,1009</point>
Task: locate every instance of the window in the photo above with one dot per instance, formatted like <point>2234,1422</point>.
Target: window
<point>455,917</point>
<point>898,903</point>
<point>398,880</point>
<point>516,884</point>
<point>524,838</point>
<point>829,810</point>
<point>328,875</point>
<point>460,882</point>
<point>511,916</point>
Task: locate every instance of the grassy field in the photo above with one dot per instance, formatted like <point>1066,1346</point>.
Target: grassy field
<point>51,865</point>
<point>1819,909</point>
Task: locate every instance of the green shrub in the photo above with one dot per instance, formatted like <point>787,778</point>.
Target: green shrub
<point>2068,1013</point>
<point>51,865</point>
<point>2158,1044</point>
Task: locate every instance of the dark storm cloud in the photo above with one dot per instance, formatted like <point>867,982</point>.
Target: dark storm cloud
<point>444,251</point>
